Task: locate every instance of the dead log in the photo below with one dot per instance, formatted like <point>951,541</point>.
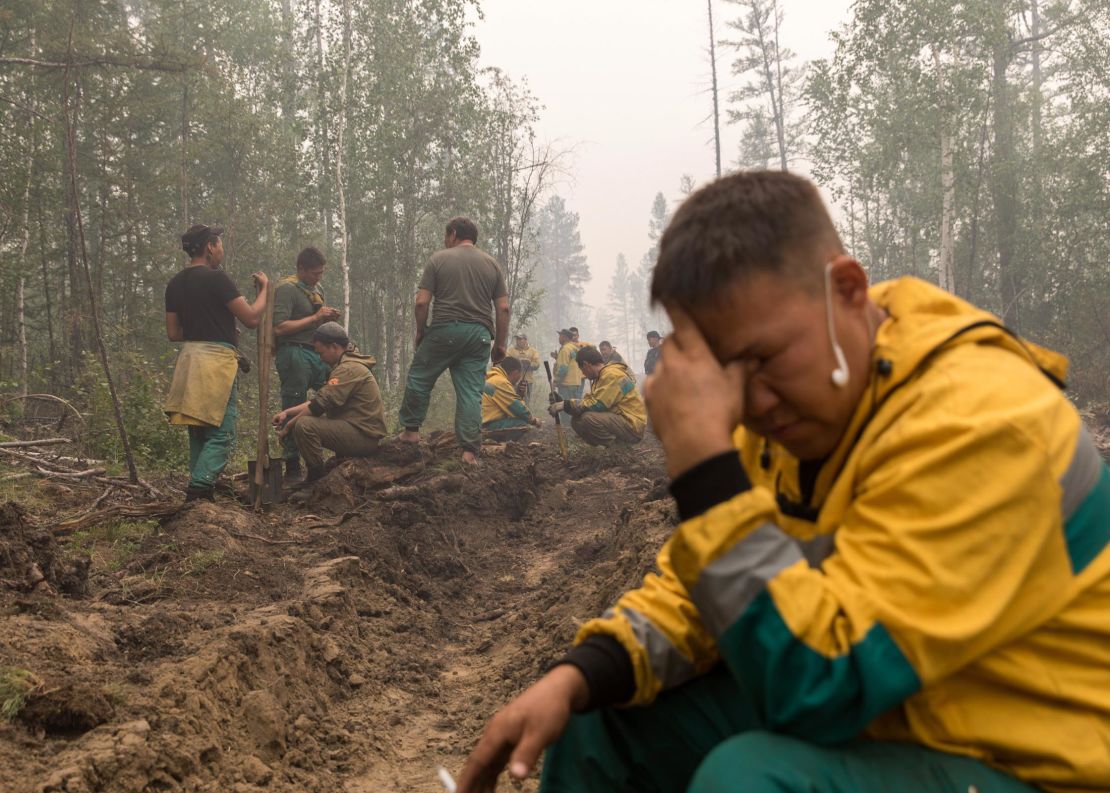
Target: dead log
<point>43,442</point>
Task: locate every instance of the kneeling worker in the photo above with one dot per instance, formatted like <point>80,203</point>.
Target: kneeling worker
<point>346,415</point>
<point>504,415</point>
<point>613,411</point>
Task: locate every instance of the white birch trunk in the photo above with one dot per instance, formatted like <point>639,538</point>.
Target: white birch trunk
<point>947,264</point>
<point>344,268</point>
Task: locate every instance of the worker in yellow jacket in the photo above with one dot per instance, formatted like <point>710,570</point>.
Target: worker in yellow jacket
<point>504,414</point>
<point>568,376</point>
<point>529,358</point>
<point>892,567</point>
<point>613,411</point>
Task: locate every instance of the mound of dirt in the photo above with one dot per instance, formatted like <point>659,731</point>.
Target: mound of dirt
<point>31,559</point>
<point>347,644</point>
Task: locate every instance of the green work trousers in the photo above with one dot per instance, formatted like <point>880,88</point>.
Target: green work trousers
<point>209,447</point>
<point>604,429</point>
<point>316,433</point>
<point>704,737</point>
<point>462,347</point>
<point>299,369</point>
<point>506,429</point>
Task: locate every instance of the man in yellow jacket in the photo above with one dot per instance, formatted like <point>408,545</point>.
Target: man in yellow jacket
<point>568,375</point>
<point>892,567</point>
<point>529,358</point>
<point>613,411</point>
<point>504,415</point>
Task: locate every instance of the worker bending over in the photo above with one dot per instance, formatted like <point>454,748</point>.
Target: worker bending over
<point>505,417</point>
<point>346,415</point>
<point>892,567</point>
<point>613,411</point>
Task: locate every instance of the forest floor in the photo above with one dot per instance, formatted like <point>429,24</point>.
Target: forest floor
<point>352,643</point>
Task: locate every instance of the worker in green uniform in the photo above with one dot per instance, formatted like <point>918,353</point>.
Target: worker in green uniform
<point>346,415</point>
<point>298,310</point>
<point>465,289</point>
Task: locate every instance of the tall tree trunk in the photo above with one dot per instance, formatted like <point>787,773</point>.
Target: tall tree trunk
<point>340,143</point>
<point>947,264</point>
<point>716,106</point>
<point>71,152</point>
<point>780,116</point>
<point>183,135</point>
<point>25,245</point>
<point>1035,35</point>
<point>323,146</point>
<point>1004,186</point>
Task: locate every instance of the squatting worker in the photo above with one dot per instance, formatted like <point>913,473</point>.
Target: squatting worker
<point>893,576</point>
<point>568,376</point>
<point>202,304</point>
<point>613,411</point>
<point>465,287</point>
<point>529,358</point>
<point>505,416</point>
<point>298,309</point>
<point>654,341</point>
<point>346,415</point>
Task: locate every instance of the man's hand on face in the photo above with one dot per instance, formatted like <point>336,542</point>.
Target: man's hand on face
<point>523,729</point>
<point>694,402</point>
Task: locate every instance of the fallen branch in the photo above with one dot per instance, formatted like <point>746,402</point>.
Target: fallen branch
<point>92,472</point>
<point>247,536</point>
<point>147,511</point>
<point>43,442</point>
<point>328,524</point>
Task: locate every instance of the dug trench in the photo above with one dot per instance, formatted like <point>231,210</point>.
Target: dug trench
<point>350,643</point>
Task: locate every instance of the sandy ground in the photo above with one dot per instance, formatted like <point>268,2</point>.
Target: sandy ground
<point>348,644</point>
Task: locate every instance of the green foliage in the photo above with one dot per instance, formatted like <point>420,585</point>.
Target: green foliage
<point>141,384</point>
<point>15,685</point>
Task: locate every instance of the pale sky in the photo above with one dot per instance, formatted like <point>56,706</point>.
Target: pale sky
<point>625,83</point>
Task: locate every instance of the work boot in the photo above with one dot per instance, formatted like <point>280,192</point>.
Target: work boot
<point>315,474</point>
<point>293,469</point>
<point>194,493</point>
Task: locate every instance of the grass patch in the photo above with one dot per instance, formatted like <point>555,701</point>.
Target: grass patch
<point>111,544</point>
<point>15,685</point>
<point>202,561</point>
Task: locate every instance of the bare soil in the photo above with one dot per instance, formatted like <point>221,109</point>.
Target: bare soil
<point>350,643</point>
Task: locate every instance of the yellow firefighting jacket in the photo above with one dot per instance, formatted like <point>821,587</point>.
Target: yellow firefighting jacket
<point>567,372</point>
<point>944,579</point>
<point>529,359</point>
<point>500,399</point>
<point>614,392</point>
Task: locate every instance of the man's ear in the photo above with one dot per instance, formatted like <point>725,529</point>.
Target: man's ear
<point>848,280</point>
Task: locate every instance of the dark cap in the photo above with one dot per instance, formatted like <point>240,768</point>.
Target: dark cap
<point>654,334</point>
<point>565,332</point>
<point>521,336</point>
<point>197,237</point>
<point>331,333</point>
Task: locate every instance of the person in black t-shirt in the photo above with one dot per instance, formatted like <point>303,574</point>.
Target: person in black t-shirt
<point>202,304</point>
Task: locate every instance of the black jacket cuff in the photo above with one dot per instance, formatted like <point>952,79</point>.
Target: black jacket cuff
<point>709,483</point>
<point>315,408</point>
<point>607,669</point>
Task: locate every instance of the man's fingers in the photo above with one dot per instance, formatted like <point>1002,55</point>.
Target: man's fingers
<point>485,762</point>
<point>527,752</point>
<point>686,336</point>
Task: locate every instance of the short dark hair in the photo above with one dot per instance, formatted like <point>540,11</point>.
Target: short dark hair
<point>604,344</point>
<point>198,237</point>
<point>509,364</point>
<point>739,225</point>
<point>589,355</point>
<point>463,229</point>
<point>572,329</point>
<point>310,258</point>
<point>653,334</point>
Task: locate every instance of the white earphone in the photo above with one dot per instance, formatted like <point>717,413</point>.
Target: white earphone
<point>840,375</point>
